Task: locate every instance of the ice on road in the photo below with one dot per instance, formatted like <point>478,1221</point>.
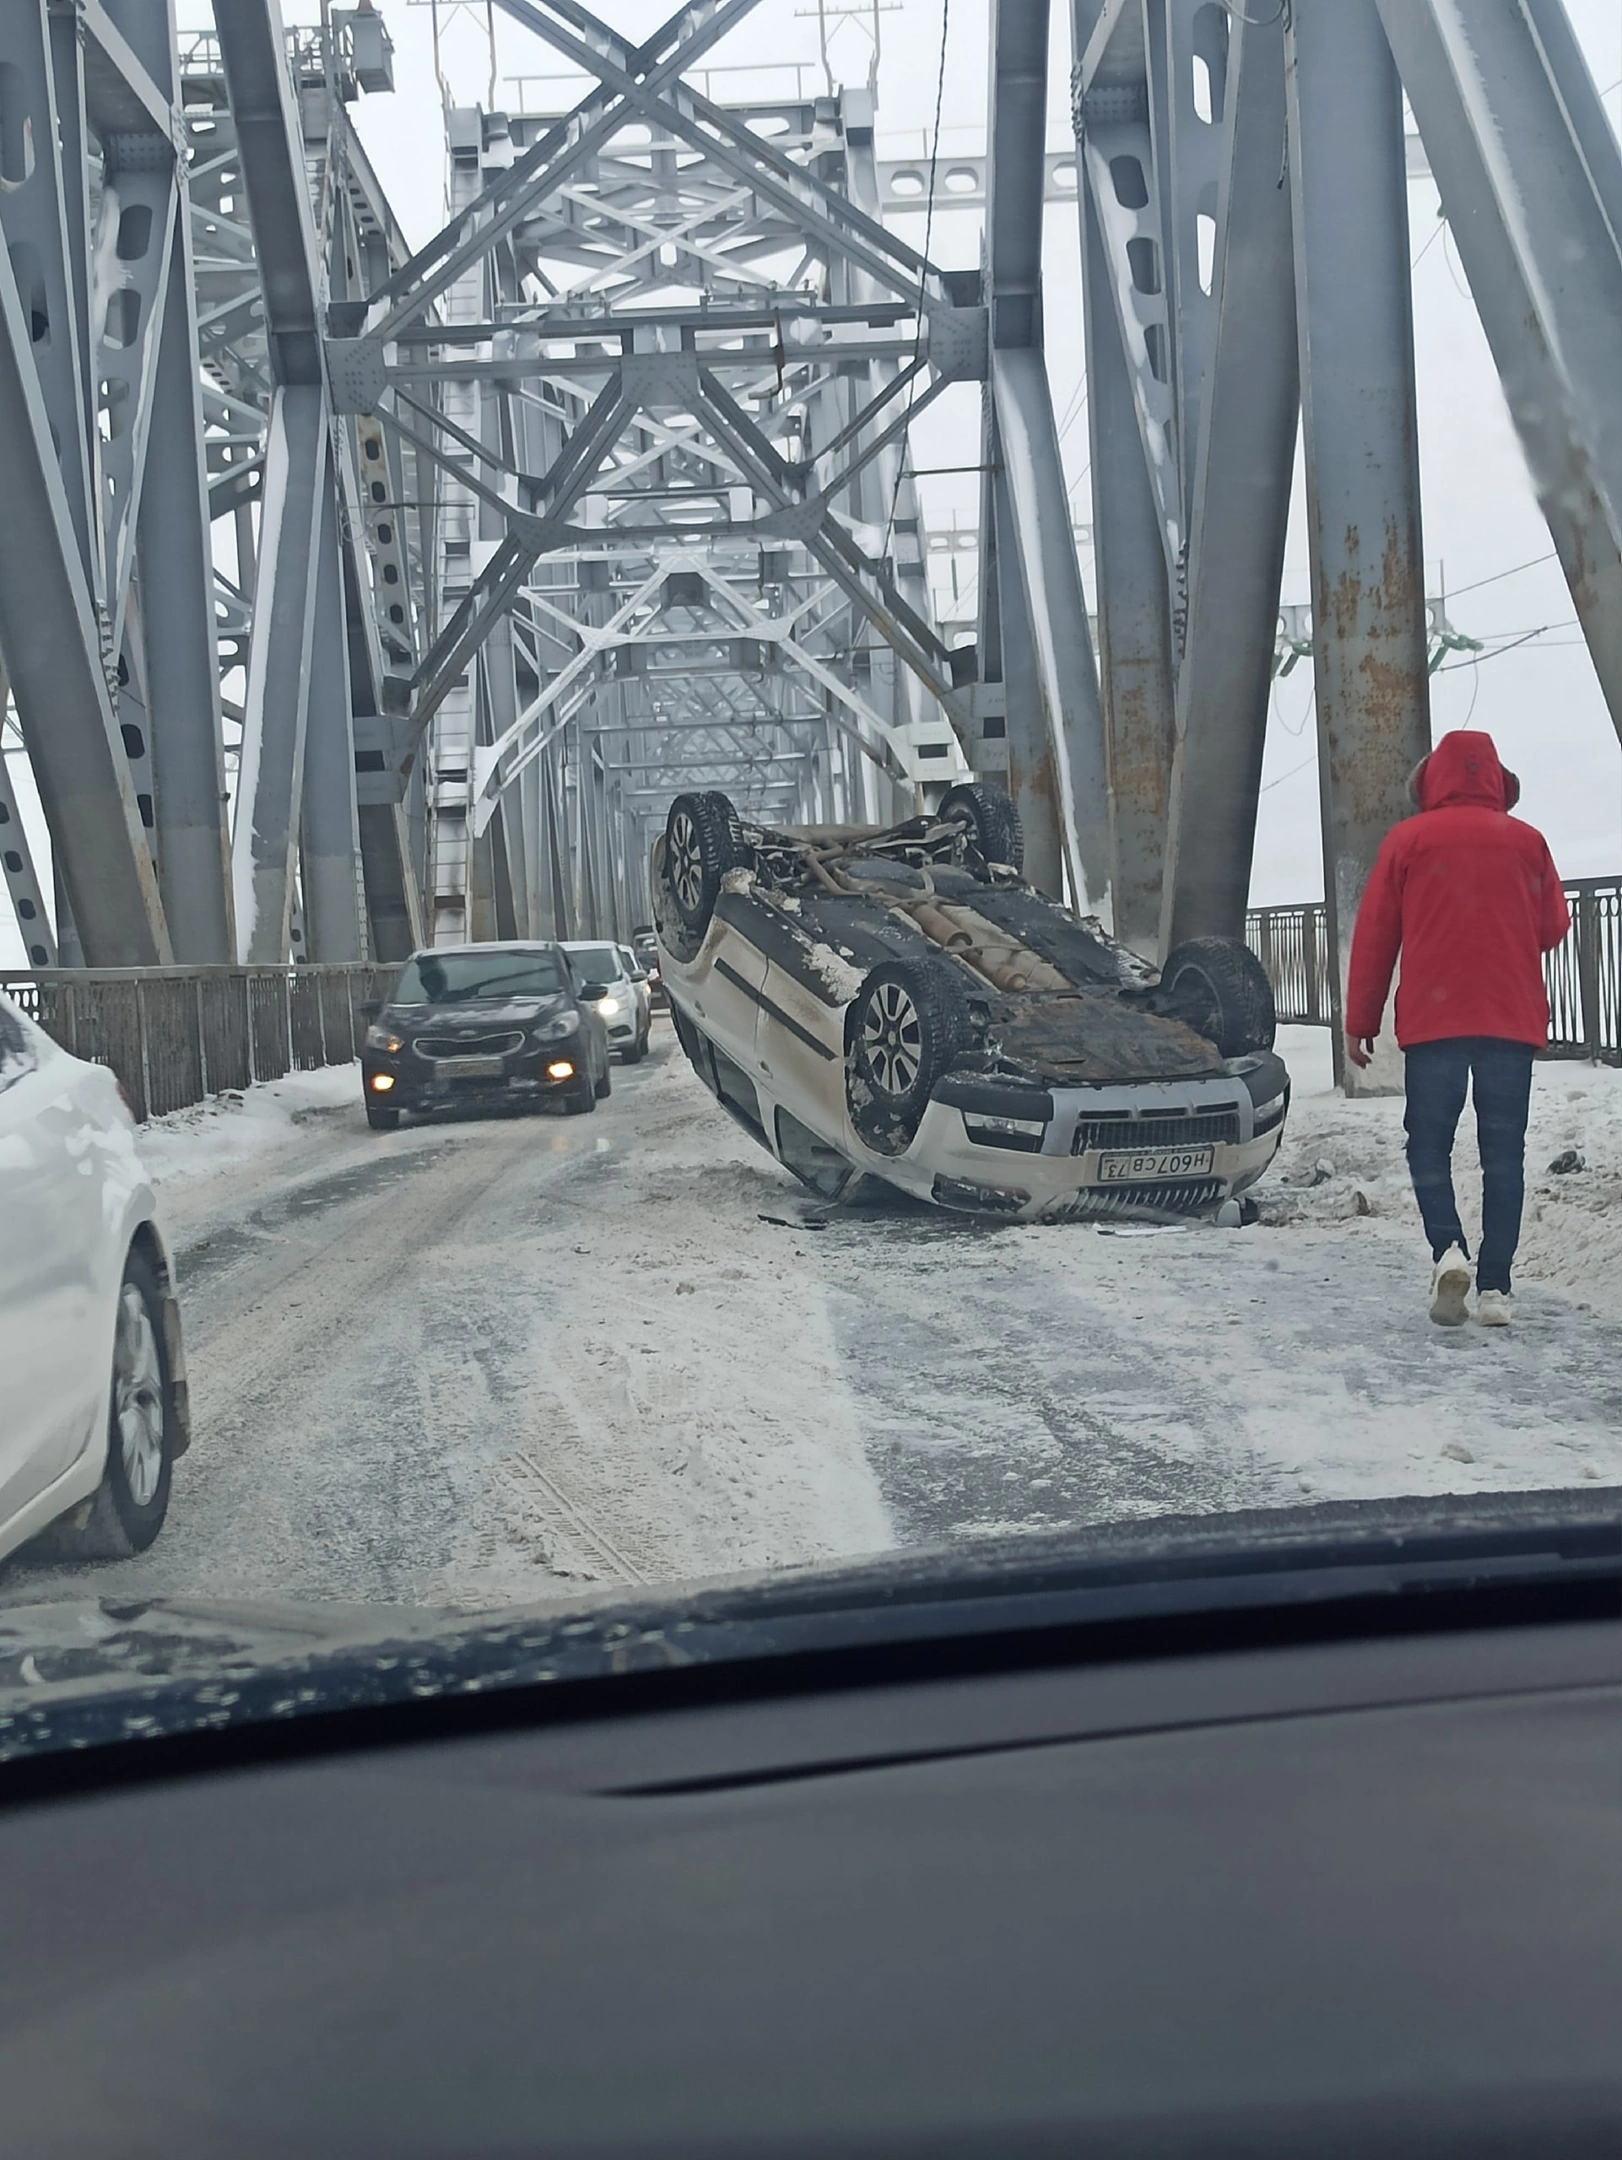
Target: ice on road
<point>471,1362</point>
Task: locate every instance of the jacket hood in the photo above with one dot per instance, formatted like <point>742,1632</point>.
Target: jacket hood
<point>1463,769</point>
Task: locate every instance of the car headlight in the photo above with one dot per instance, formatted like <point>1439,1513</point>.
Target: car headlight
<point>382,1038</point>
<point>613,1003</point>
<point>556,1030</point>
<point>1268,1114</point>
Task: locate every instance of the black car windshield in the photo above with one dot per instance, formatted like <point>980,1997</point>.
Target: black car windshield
<point>457,978</point>
<point>595,963</point>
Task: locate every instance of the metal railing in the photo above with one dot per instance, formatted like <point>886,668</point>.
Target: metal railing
<point>1583,975</point>
<point>176,1035</point>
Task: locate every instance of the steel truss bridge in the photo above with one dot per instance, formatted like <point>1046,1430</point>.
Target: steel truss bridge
<point>352,596</point>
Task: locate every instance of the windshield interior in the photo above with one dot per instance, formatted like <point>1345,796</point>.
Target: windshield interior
<point>1109,1010</point>
<point>460,978</point>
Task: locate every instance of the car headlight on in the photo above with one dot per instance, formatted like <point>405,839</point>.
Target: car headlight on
<point>613,1003</point>
<point>558,1029</point>
<point>382,1038</point>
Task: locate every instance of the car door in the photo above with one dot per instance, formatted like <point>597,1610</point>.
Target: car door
<point>54,1369</point>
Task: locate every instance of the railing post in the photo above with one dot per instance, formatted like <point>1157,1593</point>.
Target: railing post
<point>1586,925</point>
<point>146,1057</point>
<point>202,1040</point>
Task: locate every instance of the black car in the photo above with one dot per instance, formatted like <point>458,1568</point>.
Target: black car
<point>477,1027</point>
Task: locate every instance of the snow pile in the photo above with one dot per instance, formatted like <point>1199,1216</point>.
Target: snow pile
<point>233,1129</point>
<point>841,978</point>
<point>1343,1160</point>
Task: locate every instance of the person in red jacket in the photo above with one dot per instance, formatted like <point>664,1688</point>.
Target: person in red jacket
<point>1471,899</point>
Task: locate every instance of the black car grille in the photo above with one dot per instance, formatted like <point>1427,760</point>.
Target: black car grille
<point>1192,1197</point>
<point>461,1046</point>
<point>1207,1128</point>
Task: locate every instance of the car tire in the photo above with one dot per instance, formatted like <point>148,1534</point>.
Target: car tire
<point>993,824</point>
<point>905,1028</point>
<point>703,841</point>
<point>1219,988</point>
<point>581,1099</point>
<point>634,1052</point>
<point>382,1117</point>
<point>605,1080</point>
<point>127,1509</point>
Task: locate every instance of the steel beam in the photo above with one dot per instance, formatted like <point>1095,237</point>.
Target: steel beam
<point>270,777</point>
<point>1359,409</point>
<point>177,611</point>
<point>1137,664</point>
<point>17,863</point>
<point>1240,513</point>
<point>1039,534</point>
<point>329,826</point>
<point>1531,180</point>
<point>270,146</point>
<point>51,648</point>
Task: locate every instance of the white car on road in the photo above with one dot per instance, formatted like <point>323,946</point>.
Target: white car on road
<point>899,1003</point>
<point>627,1009</point>
<point>92,1378</point>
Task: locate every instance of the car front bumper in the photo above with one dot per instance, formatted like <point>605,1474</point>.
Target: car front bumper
<point>1152,1150</point>
<point>420,1085</point>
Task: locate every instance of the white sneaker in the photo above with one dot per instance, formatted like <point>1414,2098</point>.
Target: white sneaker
<point>1495,1308</point>
<point>1450,1287</point>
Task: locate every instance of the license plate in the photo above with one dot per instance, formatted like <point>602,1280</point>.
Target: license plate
<point>479,1068</point>
<point>1123,1166</point>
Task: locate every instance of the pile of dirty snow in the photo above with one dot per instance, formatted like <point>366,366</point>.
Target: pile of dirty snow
<point>235,1128</point>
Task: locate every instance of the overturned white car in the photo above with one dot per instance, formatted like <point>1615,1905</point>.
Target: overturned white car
<point>899,1003</point>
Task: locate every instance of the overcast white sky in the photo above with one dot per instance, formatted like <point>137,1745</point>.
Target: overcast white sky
<point>1542,701</point>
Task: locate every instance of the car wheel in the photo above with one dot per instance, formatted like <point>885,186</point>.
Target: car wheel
<point>1219,988</point>
<point>382,1117</point>
<point>904,1030</point>
<point>992,823</point>
<point>703,841</point>
<point>605,1080</point>
<point>581,1098</point>
<point>635,1052</point>
<point>127,1509</point>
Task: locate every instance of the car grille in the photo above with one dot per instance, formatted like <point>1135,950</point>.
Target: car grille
<point>1207,1128</point>
<point>1192,1197</point>
<point>435,1047</point>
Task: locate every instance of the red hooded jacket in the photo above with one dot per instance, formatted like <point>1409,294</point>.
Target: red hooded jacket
<point>1471,898</point>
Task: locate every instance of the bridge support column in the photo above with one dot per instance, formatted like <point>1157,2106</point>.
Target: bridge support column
<point>1354,308</point>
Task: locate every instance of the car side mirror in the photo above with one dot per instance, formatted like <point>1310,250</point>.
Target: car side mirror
<point>594,991</point>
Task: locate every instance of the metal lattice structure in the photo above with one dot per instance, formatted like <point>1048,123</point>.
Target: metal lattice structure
<point>351,595</point>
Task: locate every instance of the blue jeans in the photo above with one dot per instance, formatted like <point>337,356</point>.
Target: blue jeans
<point>1499,1075</point>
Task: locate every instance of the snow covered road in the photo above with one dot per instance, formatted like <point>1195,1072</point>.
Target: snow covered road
<point>474,1362</point>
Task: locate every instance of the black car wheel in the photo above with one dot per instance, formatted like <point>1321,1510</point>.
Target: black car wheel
<point>994,830</point>
<point>127,1510</point>
<point>581,1097</point>
<point>605,1080</point>
<point>1219,988</point>
<point>382,1117</point>
<point>905,1028</point>
<point>703,841</point>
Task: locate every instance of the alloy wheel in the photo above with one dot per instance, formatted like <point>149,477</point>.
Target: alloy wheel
<point>686,863</point>
<point>138,1396</point>
<point>892,1039</point>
